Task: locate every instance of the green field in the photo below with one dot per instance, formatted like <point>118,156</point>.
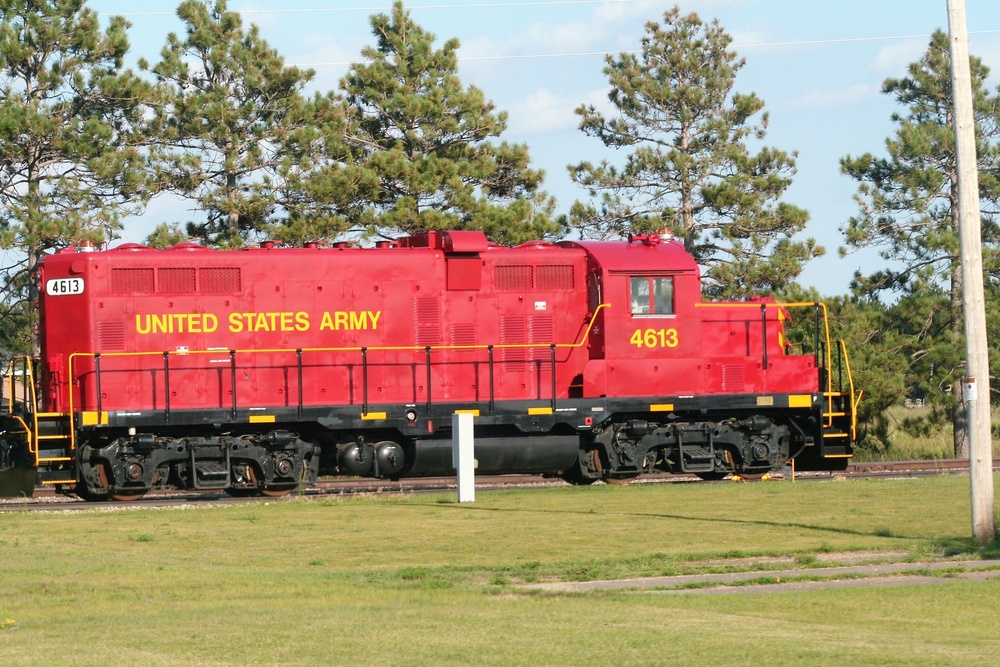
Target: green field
<point>423,580</point>
<point>935,444</point>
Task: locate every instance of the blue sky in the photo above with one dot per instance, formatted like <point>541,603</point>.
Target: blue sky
<point>817,65</point>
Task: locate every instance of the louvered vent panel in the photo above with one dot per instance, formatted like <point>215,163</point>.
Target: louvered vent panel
<point>513,330</point>
<point>514,277</point>
<point>176,280</point>
<point>733,377</point>
<point>541,329</point>
<point>111,336</point>
<point>132,281</point>
<point>220,280</point>
<point>463,334</point>
<point>559,277</point>
<point>427,320</point>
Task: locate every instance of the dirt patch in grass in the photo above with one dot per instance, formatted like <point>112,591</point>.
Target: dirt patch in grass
<point>838,557</point>
<point>879,574</point>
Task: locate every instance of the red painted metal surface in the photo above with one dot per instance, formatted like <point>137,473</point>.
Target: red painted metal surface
<point>442,316</point>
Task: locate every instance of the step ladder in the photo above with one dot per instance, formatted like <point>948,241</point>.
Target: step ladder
<point>839,430</point>
<point>48,435</point>
<point>54,448</point>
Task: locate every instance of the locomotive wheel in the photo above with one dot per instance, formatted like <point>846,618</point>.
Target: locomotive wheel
<point>753,475</point>
<point>713,476</point>
<point>84,493</point>
<point>577,476</point>
<point>574,477</point>
<point>244,491</point>
<point>128,497</point>
<point>82,489</point>
<point>619,480</point>
<point>276,492</point>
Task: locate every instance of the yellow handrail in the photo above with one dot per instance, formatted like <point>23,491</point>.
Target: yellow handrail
<point>354,348</point>
<point>30,400</point>
<point>357,348</point>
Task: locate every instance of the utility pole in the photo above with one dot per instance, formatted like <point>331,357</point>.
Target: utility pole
<point>977,393</point>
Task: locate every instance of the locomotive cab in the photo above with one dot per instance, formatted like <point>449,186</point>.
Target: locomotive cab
<point>651,325</point>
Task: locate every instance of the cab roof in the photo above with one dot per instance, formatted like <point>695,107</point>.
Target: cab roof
<point>646,253</point>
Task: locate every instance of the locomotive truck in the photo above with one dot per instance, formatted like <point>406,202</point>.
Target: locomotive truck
<point>254,371</point>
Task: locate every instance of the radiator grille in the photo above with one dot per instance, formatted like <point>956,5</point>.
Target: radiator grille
<point>132,281</point>
<point>176,280</point>
<point>558,277</point>
<point>219,280</point>
<point>514,277</point>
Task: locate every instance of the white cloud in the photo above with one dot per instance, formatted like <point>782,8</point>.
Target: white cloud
<point>611,26</point>
<point>544,111</point>
<point>266,20</point>
<point>330,61</point>
<point>827,99</point>
<point>987,49</point>
<point>894,59</point>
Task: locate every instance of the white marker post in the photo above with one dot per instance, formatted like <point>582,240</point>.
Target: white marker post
<point>463,456</point>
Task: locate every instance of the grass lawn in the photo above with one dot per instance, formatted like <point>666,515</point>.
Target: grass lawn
<point>422,580</point>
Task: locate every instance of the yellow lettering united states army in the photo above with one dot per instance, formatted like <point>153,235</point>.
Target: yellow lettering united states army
<point>351,320</point>
<point>170,323</point>
<point>273,321</point>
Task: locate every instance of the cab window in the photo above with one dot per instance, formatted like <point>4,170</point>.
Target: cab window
<point>651,295</point>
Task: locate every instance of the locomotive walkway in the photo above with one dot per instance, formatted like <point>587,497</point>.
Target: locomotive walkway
<point>869,575</point>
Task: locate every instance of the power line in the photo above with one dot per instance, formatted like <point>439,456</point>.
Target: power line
<point>344,10</point>
<point>761,45</point>
<point>545,3</point>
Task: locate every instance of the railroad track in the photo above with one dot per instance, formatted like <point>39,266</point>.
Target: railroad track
<point>917,468</point>
<point>47,499</point>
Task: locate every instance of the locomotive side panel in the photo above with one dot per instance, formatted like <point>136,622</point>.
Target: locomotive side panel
<point>251,370</point>
<point>744,351</point>
<point>322,327</point>
<point>65,321</point>
<point>538,294</point>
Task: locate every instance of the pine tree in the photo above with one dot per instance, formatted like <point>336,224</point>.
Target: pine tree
<point>327,188</point>
<point>71,163</point>
<point>228,115</point>
<point>426,139</point>
<point>690,170</point>
<point>908,205</point>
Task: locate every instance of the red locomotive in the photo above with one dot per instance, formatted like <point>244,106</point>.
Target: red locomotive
<point>255,370</point>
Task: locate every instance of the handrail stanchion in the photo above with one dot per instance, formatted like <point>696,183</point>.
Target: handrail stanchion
<point>489,348</point>
<point>97,379</point>
<point>298,362</point>
<point>552,369</point>
<point>166,387</point>
<point>427,356</point>
<point>763,332</point>
<point>364,380</point>
<point>232,376</point>
<point>816,334</point>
